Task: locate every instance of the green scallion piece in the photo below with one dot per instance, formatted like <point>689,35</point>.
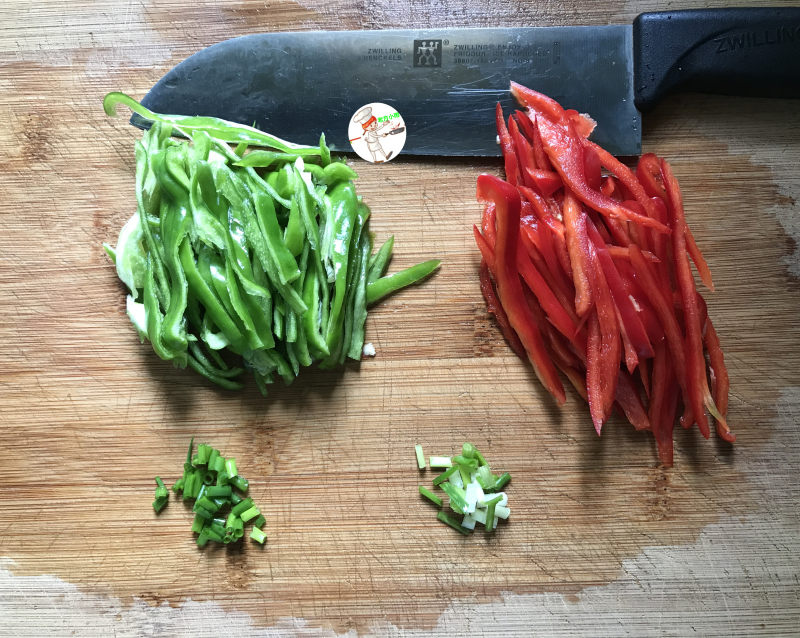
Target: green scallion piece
<point>441,478</point>
<point>260,521</point>
<point>468,451</point>
<point>215,491</point>
<point>161,495</point>
<point>213,455</point>
<point>420,456</point>
<point>449,520</point>
<point>258,536</point>
<point>235,499</point>
<point>457,497</point>
<point>502,481</point>
<point>250,514</point>
<point>203,538</point>
<point>203,452</point>
<point>490,505</point>
<point>242,507</point>
<point>230,468</point>
<point>198,524</point>
<point>219,465</point>
<point>430,496</point>
<point>178,487</point>
<point>240,483</point>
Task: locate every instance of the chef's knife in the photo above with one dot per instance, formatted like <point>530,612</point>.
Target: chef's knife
<point>445,82</point>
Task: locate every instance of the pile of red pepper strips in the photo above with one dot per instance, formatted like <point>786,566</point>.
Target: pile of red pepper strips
<point>586,267</point>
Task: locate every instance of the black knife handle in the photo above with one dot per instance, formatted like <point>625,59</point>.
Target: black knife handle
<point>747,51</point>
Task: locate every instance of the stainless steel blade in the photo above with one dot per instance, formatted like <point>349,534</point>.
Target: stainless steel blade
<point>444,82</point>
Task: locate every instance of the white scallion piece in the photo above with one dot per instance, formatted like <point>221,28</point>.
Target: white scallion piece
<point>473,497</point>
<point>455,479</point>
<point>501,511</point>
<point>480,516</point>
<point>488,497</point>
<point>468,522</point>
<point>420,456</point>
<point>440,461</point>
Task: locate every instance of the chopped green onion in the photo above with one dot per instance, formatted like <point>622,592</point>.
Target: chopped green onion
<point>257,535</point>
<point>203,452</point>
<point>468,450</point>
<point>251,513</point>
<point>218,490</point>
<point>449,520</point>
<point>230,468</point>
<point>430,496</point>
<point>445,475</point>
<point>490,506</point>
<point>198,524</point>
<point>420,456</point>
<point>240,483</point>
<point>245,505</point>
<point>502,481</point>
<point>209,480</point>
<point>457,497</point>
<point>439,461</point>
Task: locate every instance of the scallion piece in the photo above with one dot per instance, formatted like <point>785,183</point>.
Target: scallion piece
<point>445,475</point>
<point>490,505</point>
<point>430,496</point>
<point>245,505</point>
<point>440,461</point>
<point>230,468</point>
<point>213,455</point>
<point>260,521</point>
<point>218,490</point>
<point>502,481</point>
<point>240,483</point>
<point>250,514</point>
<point>420,456</point>
<point>449,520</point>
<point>257,535</point>
<point>161,495</point>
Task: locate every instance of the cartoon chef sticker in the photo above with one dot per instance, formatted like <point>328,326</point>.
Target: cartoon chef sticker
<point>377,132</point>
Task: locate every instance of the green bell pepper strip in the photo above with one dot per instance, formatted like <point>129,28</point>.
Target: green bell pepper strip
<point>155,320</point>
<point>174,222</point>
<point>234,190</point>
<point>380,260</point>
<point>211,375</point>
<point>385,286</point>
<point>205,226</point>
<point>344,210</point>
<point>152,247</point>
<point>241,309</point>
<point>359,312</point>
<point>221,129</point>
<point>264,159</point>
<point>312,319</point>
<point>293,234</point>
<point>268,222</point>
<point>200,289</point>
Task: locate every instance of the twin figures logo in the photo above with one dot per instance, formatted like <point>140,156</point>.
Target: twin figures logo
<point>376,131</point>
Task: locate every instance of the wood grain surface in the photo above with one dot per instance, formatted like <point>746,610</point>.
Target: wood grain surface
<point>601,541</point>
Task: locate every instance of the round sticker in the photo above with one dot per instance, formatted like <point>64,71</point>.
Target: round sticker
<point>377,132</point>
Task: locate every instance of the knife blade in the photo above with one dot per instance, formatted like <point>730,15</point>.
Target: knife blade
<point>446,82</point>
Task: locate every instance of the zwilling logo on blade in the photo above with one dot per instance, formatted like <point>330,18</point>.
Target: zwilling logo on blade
<point>427,53</point>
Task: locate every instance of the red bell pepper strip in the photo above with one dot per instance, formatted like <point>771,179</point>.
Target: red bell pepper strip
<point>545,182</point>
<point>664,311</point>
<point>577,242</point>
<point>663,397</point>
<point>507,146</point>
<point>631,403</point>
<point>495,308</point>
<point>594,372</point>
<point>648,172</point>
<point>720,383</point>
<point>634,328</point>
<point>625,176</point>
<point>697,384</point>
<point>565,150</point>
<point>698,259</point>
<point>488,224</point>
<point>547,300</point>
<point>530,131</point>
<point>509,288</point>
<point>592,168</point>
<point>538,102</point>
<point>524,152</point>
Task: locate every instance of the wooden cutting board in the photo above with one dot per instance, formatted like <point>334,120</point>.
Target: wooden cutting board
<point>601,540</point>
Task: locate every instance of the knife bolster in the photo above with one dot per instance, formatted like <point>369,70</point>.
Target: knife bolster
<point>745,51</point>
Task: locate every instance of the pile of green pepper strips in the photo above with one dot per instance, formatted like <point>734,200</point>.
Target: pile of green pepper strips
<point>247,245</point>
